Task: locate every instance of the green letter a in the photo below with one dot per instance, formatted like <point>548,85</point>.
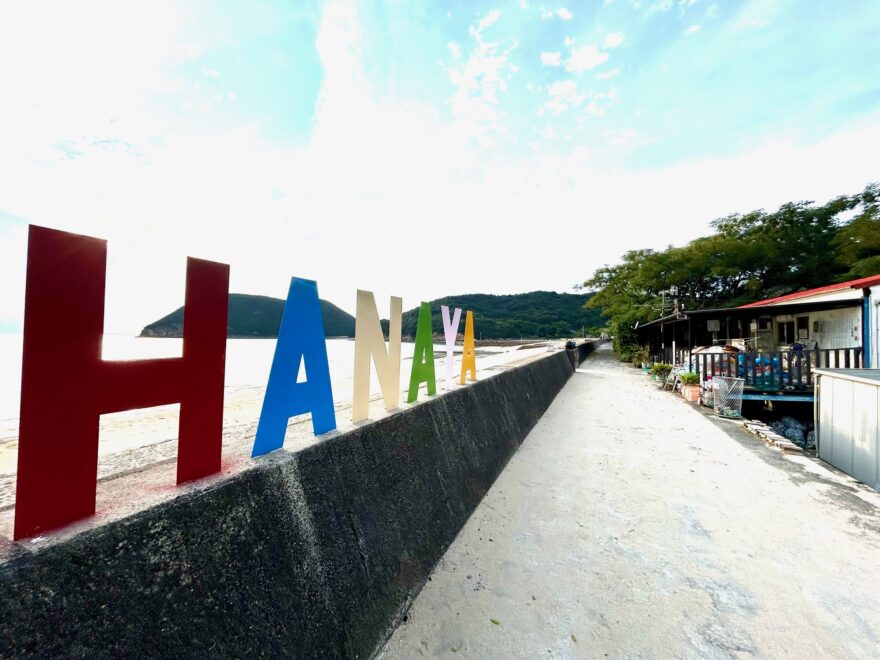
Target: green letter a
<point>423,356</point>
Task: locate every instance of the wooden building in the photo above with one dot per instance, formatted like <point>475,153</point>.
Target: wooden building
<point>775,344</point>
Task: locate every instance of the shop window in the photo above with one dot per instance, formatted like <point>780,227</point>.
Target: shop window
<point>803,327</point>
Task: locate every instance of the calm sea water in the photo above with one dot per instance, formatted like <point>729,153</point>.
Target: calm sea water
<point>247,363</point>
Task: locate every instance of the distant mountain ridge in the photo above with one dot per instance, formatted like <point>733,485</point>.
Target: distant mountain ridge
<point>537,314</point>
<point>255,316</point>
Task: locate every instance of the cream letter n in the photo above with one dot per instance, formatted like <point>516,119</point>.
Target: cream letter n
<point>450,332</point>
<point>369,343</point>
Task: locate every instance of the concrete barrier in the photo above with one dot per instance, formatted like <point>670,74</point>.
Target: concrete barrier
<point>582,352</point>
<point>309,554</point>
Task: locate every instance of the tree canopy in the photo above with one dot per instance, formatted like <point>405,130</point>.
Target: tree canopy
<point>747,257</point>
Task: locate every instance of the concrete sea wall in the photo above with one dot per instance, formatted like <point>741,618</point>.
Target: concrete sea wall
<point>309,554</point>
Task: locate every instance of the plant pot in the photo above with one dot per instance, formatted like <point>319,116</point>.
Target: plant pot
<point>691,392</point>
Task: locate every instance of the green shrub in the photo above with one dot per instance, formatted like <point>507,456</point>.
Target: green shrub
<point>690,378</point>
<point>640,355</point>
<point>661,370</point>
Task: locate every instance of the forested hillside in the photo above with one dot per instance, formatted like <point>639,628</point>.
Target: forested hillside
<point>255,316</point>
<point>538,314</point>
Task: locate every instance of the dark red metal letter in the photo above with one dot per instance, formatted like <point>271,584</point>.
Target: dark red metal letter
<point>66,386</point>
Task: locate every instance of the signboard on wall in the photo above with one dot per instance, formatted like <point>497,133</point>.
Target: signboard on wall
<point>67,385</point>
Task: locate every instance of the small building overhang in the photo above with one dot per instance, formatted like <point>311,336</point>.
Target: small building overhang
<point>777,309</point>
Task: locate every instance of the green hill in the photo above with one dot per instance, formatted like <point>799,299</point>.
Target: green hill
<point>255,316</point>
<point>538,314</point>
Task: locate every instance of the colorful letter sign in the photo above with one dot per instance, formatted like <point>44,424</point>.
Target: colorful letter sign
<point>369,343</point>
<point>300,341</point>
<point>469,356</point>
<point>450,333</point>
<point>66,386</point>
<point>423,356</point>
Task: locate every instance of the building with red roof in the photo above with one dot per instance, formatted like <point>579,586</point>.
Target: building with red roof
<point>835,326</point>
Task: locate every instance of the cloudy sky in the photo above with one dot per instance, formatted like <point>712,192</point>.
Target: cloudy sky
<point>416,148</point>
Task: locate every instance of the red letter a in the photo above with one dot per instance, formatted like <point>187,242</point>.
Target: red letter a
<point>66,386</point>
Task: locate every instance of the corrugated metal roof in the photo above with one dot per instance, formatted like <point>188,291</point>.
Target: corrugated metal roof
<point>861,283</point>
<point>793,307</point>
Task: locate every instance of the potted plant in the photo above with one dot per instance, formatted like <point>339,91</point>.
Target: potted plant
<point>690,386</point>
<point>640,357</point>
<point>660,371</point>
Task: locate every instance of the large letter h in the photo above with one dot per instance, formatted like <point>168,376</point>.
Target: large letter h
<point>66,386</point>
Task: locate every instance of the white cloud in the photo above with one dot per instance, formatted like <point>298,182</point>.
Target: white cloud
<point>691,29</point>
<point>455,49</point>
<point>563,95</point>
<point>605,96</point>
<point>755,15</point>
<point>600,102</point>
<point>548,132</point>
<point>489,19</point>
<point>594,109</point>
<point>585,58</point>
<point>523,4</point>
<point>620,137</point>
<point>551,59</point>
<point>568,41</point>
<point>480,80</point>
<point>659,7</point>
<point>606,75</point>
<point>562,12</point>
<point>613,39</point>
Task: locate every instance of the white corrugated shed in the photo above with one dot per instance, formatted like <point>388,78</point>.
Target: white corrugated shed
<point>847,409</point>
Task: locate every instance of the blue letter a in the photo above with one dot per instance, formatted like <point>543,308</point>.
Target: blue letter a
<point>300,339</point>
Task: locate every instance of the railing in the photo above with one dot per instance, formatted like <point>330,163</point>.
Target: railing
<point>666,355</point>
<point>777,370</point>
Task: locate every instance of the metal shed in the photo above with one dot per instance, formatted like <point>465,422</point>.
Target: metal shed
<point>847,413</point>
